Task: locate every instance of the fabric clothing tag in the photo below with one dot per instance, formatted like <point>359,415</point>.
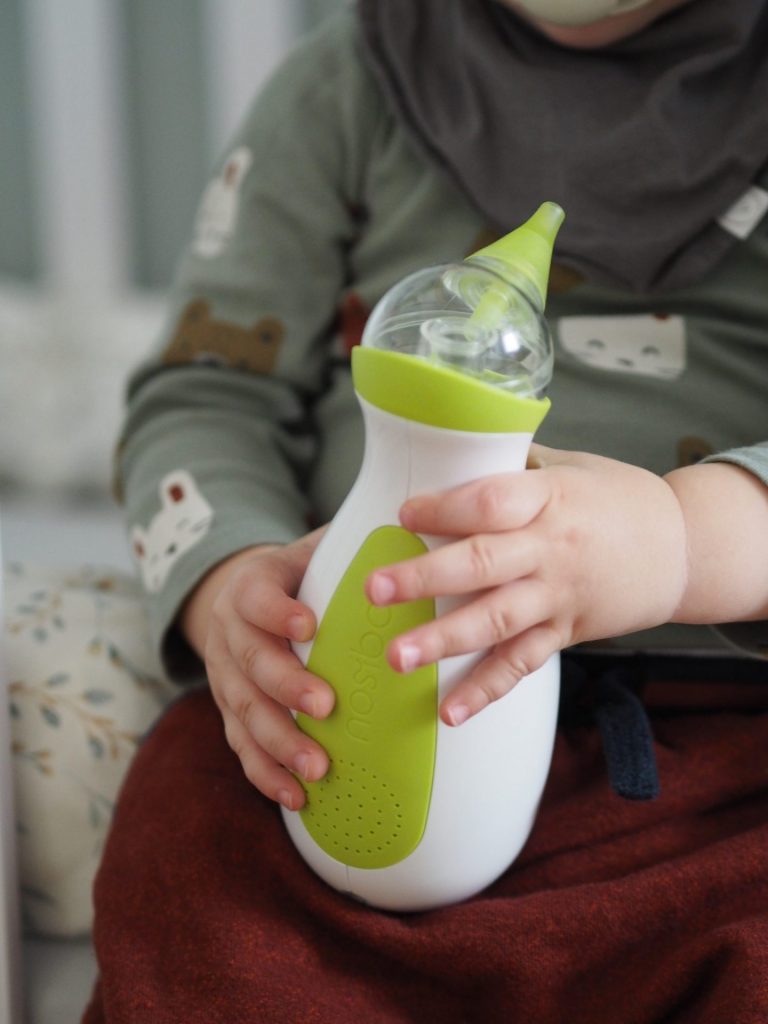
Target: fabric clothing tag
<point>746,213</point>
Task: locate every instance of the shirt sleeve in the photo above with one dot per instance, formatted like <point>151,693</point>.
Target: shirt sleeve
<point>218,437</point>
<point>753,458</point>
<point>747,637</point>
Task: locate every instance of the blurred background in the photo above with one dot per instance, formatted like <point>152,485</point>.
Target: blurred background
<point>112,113</point>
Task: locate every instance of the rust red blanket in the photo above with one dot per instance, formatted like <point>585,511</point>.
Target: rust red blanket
<point>615,912</point>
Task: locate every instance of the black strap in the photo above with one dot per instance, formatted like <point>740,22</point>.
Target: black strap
<point>627,738</point>
<point>606,690</point>
<point>608,697</point>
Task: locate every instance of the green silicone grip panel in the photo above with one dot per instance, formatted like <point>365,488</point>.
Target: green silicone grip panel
<point>371,808</point>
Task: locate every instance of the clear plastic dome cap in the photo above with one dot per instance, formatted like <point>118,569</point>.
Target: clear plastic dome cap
<point>483,317</point>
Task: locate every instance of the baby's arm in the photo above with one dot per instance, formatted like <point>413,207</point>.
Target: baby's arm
<point>579,548</point>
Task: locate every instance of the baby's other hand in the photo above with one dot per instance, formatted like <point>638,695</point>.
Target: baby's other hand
<point>576,547</point>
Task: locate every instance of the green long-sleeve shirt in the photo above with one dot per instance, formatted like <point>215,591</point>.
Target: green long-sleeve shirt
<point>243,427</point>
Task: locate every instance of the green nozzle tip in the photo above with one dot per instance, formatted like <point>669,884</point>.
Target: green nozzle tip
<point>528,249</point>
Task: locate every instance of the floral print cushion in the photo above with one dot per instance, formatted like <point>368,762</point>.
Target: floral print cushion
<point>84,687</point>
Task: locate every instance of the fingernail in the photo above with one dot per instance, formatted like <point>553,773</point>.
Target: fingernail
<point>299,628</point>
<point>301,763</point>
<point>410,656</point>
<point>308,704</point>
<point>382,588</point>
<point>457,714</point>
<point>286,799</point>
<point>408,513</point>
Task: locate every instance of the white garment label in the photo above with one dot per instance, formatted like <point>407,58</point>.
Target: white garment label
<point>741,218</point>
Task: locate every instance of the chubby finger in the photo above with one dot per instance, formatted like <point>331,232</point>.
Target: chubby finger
<point>262,596</point>
<point>500,671</point>
<point>540,456</point>
<point>270,663</point>
<point>261,770</point>
<point>270,726</point>
<point>504,501</point>
<point>473,563</point>
<point>488,620</point>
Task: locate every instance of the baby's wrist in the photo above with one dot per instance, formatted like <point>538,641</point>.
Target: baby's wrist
<point>725,509</point>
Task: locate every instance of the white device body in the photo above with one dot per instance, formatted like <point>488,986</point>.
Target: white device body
<point>490,772</point>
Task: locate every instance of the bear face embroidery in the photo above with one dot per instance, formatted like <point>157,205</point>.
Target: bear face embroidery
<point>563,279</point>
<point>219,208</point>
<point>691,450</point>
<point>201,339</point>
<point>652,345</point>
<point>182,522</point>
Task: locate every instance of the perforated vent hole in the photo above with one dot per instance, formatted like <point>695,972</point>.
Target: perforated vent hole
<point>354,810</point>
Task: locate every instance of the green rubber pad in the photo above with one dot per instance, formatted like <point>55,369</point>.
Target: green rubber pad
<point>371,808</point>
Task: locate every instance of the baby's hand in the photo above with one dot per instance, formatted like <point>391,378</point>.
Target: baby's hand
<point>240,620</point>
<point>578,548</point>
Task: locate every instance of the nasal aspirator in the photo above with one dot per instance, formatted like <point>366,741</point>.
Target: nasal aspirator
<point>450,376</point>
